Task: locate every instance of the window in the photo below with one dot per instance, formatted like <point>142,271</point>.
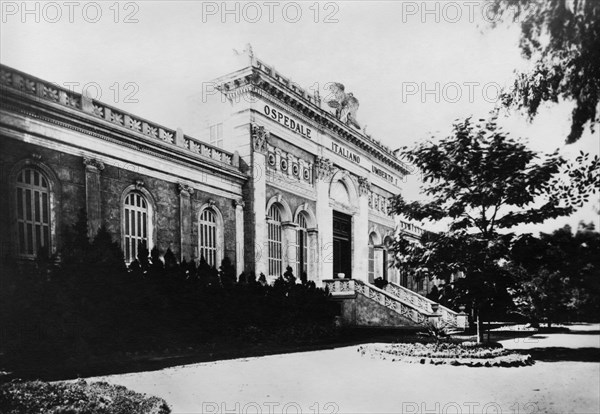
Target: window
<point>371,270</point>
<point>137,224</point>
<point>216,135</point>
<point>208,236</point>
<point>33,212</point>
<point>301,248</point>
<point>274,235</point>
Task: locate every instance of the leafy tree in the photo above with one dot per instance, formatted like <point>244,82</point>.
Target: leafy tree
<point>562,37</point>
<point>557,275</point>
<point>484,182</point>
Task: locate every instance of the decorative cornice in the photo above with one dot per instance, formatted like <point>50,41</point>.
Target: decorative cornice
<point>70,110</point>
<point>261,79</point>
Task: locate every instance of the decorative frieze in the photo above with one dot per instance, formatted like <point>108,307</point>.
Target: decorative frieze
<point>378,203</point>
<point>287,166</point>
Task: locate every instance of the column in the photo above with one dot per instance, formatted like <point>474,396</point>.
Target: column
<point>93,199</point>
<point>379,252</point>
<point>313,255</point>
<point>185,222</point>
<point>290,246</point>
<point>324,252</point>
<point>259,251</point>
<point>239,236</point>
<point>360,233</point>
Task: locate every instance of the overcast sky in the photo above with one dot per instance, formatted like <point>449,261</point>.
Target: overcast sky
<point>414,68</point>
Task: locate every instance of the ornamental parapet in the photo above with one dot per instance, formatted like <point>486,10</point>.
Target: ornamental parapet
<point>16,81</point>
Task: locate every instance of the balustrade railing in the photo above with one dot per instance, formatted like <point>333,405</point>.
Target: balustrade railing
<point>10,78</point>
<point>421,302</point>
<point>339,287</point>
<point>407,303</point>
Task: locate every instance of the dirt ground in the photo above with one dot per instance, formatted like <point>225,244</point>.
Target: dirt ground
<point>565,379</point>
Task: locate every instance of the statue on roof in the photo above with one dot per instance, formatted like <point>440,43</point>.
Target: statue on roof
<point>345,104</point>
<point>246,53</point>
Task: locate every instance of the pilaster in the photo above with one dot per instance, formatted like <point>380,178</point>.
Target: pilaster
<point>323,256</point>
<point>239,235</point>
<point>93,198</point>
<point>185,221</point>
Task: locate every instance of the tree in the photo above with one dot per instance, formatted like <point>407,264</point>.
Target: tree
<point>557,275</point>
<point>482,181</point>
<point>562,37</point>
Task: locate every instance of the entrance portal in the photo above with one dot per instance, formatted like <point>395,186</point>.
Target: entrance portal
<point>342,247</point>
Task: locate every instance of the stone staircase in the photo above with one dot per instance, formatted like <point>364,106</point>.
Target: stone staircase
<point>364,304</point>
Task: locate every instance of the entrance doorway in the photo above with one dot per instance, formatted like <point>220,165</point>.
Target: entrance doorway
<point>342,247</point>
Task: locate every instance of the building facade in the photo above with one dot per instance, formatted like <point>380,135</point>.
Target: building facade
<point>283,180</point>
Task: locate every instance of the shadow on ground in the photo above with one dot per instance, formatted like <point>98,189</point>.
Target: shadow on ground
<point>555,354</point>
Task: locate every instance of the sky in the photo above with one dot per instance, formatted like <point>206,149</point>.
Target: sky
<point>414,66</point>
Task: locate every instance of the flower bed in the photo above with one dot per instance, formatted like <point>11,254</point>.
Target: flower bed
<point>468,354</point>
<point>77,397</point>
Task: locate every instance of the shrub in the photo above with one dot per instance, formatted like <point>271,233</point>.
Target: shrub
<point>77,398</point>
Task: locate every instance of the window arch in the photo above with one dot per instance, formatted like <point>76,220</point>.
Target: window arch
<point>302,247</point>
<point>339,192</point>
<point>137,224</point>
<point>275,241</point>
<point>33,212</point>
<point>207,237</point>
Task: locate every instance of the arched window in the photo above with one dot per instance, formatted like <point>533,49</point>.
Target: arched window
<point>301,248</point>
<point>33,212</point>
<point>371,270</point>
<point>137,225</point>
<point>208,236</point>
<point>274,235</point>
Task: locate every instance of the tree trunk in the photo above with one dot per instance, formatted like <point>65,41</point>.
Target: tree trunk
<point>479,327</point>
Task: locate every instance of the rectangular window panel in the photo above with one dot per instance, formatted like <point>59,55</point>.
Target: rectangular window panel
<point>28,204</point>
<point>21,237</point>
<point>29,238</point>
<point>45,207</point>
<point>19,203</point>
<point>36,205</point>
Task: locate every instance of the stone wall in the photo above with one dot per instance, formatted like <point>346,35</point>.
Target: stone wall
<point>70,173</point>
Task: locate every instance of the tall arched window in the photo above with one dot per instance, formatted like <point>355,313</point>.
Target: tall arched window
<point>371,270</point>
<point>33,212</point>
<point>137,224</point>
<point>274,235</point>
<point>302,248</point>
<point>208,236</point>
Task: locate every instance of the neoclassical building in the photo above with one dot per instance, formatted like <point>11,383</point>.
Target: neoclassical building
<point>286,179</point>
